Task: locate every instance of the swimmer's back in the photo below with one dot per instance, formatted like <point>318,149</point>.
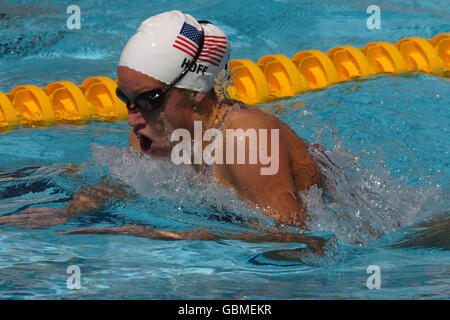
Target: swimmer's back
<point>305,170</point>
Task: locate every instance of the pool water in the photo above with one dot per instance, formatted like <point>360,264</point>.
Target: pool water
<point>387,137</point>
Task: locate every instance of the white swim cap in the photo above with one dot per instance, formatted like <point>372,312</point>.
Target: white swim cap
<point>165,44</point>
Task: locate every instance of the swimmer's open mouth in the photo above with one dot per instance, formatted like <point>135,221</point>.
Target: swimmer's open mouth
<point>145,143</point>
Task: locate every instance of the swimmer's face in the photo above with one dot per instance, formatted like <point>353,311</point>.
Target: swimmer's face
<point>155,128</point>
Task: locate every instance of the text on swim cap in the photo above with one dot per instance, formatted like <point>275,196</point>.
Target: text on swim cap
<point>196,67</point>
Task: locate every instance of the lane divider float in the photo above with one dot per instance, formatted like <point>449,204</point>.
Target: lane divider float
<point>272,77</point>
<point>339,64</point>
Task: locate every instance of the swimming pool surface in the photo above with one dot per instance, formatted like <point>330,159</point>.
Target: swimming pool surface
<point>388,135</point>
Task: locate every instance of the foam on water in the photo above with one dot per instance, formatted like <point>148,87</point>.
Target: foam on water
<point>363,204</point>
<point>179,187</point>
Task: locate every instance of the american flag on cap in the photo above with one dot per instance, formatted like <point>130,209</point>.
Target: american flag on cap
<point>188,41</point>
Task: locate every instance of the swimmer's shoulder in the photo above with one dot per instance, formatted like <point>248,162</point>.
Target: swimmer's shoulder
<point>246,117</point>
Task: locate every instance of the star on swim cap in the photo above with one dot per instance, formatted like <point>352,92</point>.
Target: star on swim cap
<point>165,44</point>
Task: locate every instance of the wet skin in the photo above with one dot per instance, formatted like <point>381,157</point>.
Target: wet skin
<point>276,195</point>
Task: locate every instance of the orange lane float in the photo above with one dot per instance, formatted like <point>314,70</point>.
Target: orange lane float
<point>69,103</point>
<point>101,93</point>
<point>420,55</point>
<point>350,63</point>
<point>282,76</point>
<point>8,116</point>
<point>384,57</point>
<point>33,106</point>
<point>271,78</point>
<point>316,67</point>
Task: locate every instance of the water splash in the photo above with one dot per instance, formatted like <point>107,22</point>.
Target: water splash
<point>179,187</point>
<point>364,203</point>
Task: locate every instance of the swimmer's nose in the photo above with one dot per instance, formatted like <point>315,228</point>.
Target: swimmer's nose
<point>136,119</point>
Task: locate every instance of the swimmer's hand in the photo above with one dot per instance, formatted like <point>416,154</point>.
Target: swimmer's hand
<point>36,218</point>
<point>32,218</point>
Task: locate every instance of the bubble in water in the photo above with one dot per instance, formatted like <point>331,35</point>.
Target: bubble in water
<point>179,185</point>
<point>361,205</point>
<point>364,203</point>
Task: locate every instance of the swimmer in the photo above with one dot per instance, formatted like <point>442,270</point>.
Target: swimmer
<point>167,74</point>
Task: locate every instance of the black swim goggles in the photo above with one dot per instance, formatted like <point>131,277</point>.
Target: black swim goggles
<point>149,101</point>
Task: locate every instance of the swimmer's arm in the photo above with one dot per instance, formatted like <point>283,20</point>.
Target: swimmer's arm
<point>314,243</point>
<point>274,194</point>
<point>91,198</point>
<point>87,200</point>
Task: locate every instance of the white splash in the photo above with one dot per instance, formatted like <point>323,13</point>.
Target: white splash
<point>367,203</point>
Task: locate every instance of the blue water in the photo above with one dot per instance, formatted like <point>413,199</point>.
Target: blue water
<point>387,135</point>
